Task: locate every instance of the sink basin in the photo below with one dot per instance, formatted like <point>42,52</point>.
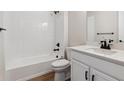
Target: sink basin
<point>102,51</point>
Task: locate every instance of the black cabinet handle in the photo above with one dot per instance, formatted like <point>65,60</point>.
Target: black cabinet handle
<point>86,75</point>
<point>93,76</point>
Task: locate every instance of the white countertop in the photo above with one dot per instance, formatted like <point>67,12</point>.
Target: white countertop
<point>117,58</point>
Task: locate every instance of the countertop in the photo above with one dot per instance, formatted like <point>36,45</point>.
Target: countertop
<point>117,58</point>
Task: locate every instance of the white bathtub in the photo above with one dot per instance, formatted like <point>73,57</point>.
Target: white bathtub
<point>27,68</point>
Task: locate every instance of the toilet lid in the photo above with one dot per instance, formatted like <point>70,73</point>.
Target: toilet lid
<point>60,63</point>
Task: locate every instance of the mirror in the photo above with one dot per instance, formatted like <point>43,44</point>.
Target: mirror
<point>102,25</point>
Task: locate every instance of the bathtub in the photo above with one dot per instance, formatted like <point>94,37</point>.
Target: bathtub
<point>27,68</point>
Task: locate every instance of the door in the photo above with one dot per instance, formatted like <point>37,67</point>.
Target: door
<point>99,76</point>
<point>1,50</point>
<point>79,71</point>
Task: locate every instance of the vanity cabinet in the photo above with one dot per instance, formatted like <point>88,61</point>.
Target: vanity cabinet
<point>80,72</point>
<point>88,68</point>
<point>96,75</point>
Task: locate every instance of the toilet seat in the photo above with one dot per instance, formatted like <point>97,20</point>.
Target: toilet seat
<point>60,63</point>
<point>59,69</point>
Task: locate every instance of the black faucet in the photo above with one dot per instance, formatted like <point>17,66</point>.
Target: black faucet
<point>104,44</point>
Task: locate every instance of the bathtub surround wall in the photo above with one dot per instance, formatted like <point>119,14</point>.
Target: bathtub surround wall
<point>28,34</point>
<point>29,39</point>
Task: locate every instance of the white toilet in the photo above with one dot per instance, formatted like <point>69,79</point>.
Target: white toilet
<point>60,66</point>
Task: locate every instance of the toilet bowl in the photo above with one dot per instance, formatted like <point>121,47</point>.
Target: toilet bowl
<point>59,67</point>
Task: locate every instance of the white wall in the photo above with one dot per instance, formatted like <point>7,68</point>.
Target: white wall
<point>28,34</point>
<point>91,29</point>
<point>61,22</point>
<point>2,65</point>
<point>76,28</point>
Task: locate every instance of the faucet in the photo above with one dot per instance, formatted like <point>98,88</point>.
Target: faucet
<point>104,44</point>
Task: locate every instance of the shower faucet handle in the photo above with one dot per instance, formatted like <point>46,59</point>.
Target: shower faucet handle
<point>57,49</point>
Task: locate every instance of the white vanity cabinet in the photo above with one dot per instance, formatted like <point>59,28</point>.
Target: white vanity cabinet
<point>89,68</point>
<point>80,72</point>
<point>96,75</point>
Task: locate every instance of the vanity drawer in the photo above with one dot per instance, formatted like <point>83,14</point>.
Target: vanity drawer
<point>114,70</point>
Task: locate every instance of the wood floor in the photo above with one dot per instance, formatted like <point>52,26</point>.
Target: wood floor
<point>46,77</point>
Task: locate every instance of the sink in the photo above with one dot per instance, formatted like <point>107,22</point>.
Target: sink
<point>102,51</point>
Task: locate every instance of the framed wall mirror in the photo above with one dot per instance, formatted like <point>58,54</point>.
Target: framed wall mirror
<point>103,25</point>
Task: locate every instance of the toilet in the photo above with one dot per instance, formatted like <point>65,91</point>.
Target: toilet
<point>60,66</point>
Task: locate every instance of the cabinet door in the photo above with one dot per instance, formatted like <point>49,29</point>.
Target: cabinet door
<point>99,76</point>
<point>79,71</point>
